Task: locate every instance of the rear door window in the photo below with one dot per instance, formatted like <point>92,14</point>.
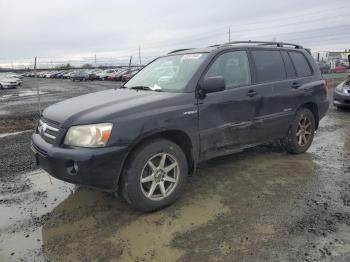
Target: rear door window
<point>300,63</point>
<point>269,65</point>
<point>288,65</point>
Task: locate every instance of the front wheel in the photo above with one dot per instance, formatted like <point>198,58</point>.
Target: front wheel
<point>301,133</point>
<point>155,175</point>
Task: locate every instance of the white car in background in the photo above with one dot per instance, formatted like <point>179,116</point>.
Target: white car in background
<point>9,82</point>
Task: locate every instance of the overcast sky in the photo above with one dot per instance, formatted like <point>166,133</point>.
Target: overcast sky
<point>76,30</point>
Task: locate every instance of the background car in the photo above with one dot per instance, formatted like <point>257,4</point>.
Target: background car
<point>83,75</point>
<point>338,69</point>
<point>341,95</point>
<point>128,76</point>
<point>80,76</point>
<point>8,82</point>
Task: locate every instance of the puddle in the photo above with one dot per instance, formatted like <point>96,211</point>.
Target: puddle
<point>4,112</point>
<point>146,238</point>
<point>347,144</point>
<point>21,219</point>
<point>30,93</point>
<point>22,94</point>
<point>92,224</point>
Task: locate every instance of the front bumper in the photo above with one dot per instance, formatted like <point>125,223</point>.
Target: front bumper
<point>94,167</point>
<point>8,85</point>
<point>341,99</point>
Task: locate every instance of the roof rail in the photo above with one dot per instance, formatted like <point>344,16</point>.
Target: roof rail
<point>264,43</point>
<point>179,50</point>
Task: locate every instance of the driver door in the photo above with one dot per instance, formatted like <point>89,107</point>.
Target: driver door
<point>226,117</point>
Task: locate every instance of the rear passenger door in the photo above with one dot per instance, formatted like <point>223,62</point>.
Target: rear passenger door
<point>275,69</point>
<point>270,82</point>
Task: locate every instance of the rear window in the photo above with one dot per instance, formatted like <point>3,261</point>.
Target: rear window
<point>288,65</point>
<point>300,63</point>
<point>269,66</point>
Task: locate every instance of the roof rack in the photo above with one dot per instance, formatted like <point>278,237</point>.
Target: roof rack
<point>179,50</point>
<point>264,43</point>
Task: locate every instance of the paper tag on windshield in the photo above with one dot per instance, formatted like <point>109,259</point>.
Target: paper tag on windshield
<point>156,87</point>
<point>191,56</point>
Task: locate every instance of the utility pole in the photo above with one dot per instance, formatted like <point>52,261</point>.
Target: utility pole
<point>95,61</point>
<point>140,54</point>
<point>229,34</point>
<point>37,88</point>
<point>130,62</point>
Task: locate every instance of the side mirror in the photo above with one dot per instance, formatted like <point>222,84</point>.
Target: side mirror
<point>213,84</point>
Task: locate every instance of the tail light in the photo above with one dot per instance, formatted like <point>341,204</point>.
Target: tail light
<point>325,87</point>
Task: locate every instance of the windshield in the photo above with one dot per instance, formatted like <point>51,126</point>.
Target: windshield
<point>170,73</point>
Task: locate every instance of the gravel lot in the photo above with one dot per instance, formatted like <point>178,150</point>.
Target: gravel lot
<point>259,205</point>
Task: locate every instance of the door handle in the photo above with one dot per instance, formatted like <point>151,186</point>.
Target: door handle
<point>296,85</point>
<point>251,93</point>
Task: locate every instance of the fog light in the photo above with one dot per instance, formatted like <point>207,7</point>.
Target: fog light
<point>72,168</point>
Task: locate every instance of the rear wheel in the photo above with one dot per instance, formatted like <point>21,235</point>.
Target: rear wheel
<point>155,175</point>
<point>301,133</point>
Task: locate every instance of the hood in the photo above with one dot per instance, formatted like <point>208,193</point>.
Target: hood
<point>104,106</point>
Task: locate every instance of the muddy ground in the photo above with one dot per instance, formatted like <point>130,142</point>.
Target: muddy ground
<point>259,205</point>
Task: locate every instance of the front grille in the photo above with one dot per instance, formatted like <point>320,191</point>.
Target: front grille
<point>48,130</point>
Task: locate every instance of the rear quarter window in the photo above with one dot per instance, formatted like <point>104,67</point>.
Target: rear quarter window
<point>301,65</point>
<point>288,65</point>
<point>269,65</point>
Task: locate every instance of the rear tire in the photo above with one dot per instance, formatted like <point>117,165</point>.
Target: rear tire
<point>147,182</point>
<point>301,133</point>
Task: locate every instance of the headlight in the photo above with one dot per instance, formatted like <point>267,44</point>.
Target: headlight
<point>89,135</point>
<point>340,88</point>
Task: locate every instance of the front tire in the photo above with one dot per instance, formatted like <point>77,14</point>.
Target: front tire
<point>155,175</point>
<point>301,133</point>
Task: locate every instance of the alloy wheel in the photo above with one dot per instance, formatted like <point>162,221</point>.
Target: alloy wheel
<point>159,176</point>
<point>304,131</point>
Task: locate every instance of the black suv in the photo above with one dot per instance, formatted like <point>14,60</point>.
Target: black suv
<point>188,106</point>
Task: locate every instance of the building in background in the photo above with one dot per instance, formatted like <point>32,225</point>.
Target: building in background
<point>332,58</point>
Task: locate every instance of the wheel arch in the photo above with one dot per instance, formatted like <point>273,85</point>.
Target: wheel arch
<point>179,137</point>
<point>314,109</point>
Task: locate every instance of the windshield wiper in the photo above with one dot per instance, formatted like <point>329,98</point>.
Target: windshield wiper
<point>146,88</point>
<point>141,87</point>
